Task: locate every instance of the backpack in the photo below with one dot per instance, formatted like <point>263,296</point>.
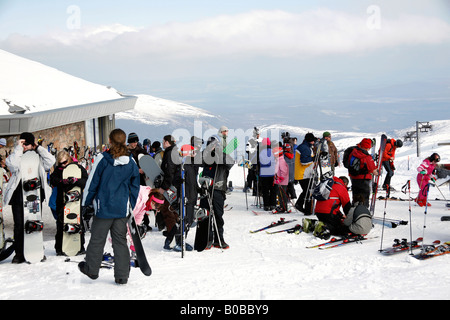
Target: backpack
<point>353,163</point>
<point>322,190</point>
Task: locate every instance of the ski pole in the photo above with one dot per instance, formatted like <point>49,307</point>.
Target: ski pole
<point>245,182</point>
<point>435,184</point>
<point>427,189</point>
<point>384,218</point>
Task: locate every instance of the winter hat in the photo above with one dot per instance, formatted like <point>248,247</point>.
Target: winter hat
<point>278,151</point>
<point>366,143</point>
<point>222,129</point>
<point>266,142</point>
<point>3,142</point>
<point>133,137</point>
<point>156,145</point>
<point>28,137</point>
<point>326,134</point>
<point>310,137</point>
<point>186,150</point>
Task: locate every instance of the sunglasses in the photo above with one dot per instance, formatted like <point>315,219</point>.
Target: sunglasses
<point>64,162</point>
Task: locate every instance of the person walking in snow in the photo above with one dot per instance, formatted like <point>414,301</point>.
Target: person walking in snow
<point>426,172</point>
<point>112,186</point>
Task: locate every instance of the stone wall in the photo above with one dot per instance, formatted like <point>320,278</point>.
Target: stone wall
<point>62,137</point>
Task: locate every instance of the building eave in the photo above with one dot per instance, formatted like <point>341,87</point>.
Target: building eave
<point>17,123</point>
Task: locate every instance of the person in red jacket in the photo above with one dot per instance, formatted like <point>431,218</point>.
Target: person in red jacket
<point>388,161</point>
<point>328,211</point>
<point>361,182</point>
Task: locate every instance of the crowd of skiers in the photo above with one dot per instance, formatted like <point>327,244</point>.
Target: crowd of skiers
<point>274,168</point>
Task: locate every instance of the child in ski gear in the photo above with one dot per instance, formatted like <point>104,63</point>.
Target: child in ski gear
<point>427,170</point>
<point>328,211</point>
<point>113,186</point>
<point>361,177</point>
<point>281,179</point>
<point>267,173</point>
<point>13,192</point>
<point>62,186</point>
<point>388,161</point>
<point>304,171</point>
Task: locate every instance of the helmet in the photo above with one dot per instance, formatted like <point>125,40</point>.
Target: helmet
<point>399,143</point>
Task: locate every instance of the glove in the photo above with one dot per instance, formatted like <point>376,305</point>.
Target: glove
<point>87,212</point>
<point>423,172</point>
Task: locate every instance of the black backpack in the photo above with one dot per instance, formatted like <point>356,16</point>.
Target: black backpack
<point>352,163</point>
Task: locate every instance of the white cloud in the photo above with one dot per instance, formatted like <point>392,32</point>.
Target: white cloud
<point>257,33</point>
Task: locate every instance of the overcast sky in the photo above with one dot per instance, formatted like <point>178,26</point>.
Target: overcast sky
<point>343,65</point>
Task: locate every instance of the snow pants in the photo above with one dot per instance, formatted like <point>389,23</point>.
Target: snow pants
<point>95,249</point>
<point>422,181</point>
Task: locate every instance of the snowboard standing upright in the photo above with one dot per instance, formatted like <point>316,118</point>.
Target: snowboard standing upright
<point>33,247</point>
<point>137,243</point>
<point>71,243</point>
<point>151,169</point>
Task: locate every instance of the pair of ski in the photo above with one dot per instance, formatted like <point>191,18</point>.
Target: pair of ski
<point>428,251</point>
<point>434,250</point>
<point>337,242</point>
<point>280,222</point>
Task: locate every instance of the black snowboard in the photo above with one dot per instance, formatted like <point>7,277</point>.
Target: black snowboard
<point>140,253</point>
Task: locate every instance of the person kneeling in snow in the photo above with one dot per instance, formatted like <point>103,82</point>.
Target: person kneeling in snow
<point>328,211</point>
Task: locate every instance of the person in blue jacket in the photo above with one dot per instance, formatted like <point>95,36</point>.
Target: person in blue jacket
<point>112,186</point>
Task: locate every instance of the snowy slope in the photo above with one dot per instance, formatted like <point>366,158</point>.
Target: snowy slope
<point>263,266</point>
<point>35,87</point>
<point>155,117</point>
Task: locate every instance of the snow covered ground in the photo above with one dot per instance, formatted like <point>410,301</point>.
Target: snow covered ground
<point>262,266</point>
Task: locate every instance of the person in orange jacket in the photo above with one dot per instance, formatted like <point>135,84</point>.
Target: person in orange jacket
<point>388,161</point>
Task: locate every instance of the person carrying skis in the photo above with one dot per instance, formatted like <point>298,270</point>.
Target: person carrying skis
<point>281,180</point>
<point>361,168</point>
<point>113,186</point>
<point>388,161</point>
<point>63,159</point>
<point>427,171</point>
<point>13,193</point>
<point>304,172</point>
